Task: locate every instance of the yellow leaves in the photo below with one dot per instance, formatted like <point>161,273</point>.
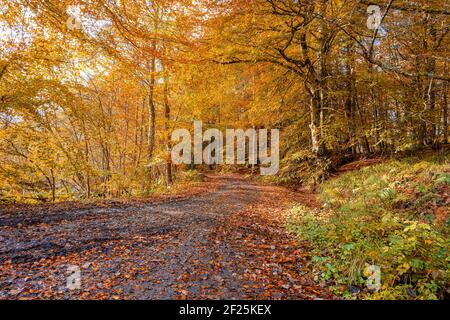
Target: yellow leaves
<point>374,254</point>
<point>411,227</point>
<point>415,225</point>
<point>366,271</point>
<point>423,165</point>
<point>403,268</point>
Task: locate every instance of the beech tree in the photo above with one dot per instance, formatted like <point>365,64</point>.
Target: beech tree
<point>90,91</point>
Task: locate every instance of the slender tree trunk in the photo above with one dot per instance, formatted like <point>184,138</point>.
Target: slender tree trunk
<point>151,112</point>
<point>169,179</point>
<point>151,95</point>
<point>430,88</point>
<point>86,159</point>
<point>88,176</point>
<point>124,151</point>
<point>315,123</point>
<point>445,107</point>
<point>350,99</point>
<point>53,185</point>
<point>136,140</point>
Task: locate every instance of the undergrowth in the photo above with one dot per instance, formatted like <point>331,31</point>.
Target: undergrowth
<point>393,216</point>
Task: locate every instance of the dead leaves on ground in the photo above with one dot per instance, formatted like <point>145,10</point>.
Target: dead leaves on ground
<point>274,262</point>
<point>243,255</point>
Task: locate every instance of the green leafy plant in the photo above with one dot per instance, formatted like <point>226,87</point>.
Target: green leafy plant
<point>385,216</point>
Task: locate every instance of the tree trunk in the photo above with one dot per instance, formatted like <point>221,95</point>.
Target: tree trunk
<point>169,179</point>
<point>430,88</point>
<point>151,112</point>
<point>53,185</point>
<point>445,114</point>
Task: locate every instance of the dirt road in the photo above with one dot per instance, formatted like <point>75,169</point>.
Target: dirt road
<point>226,244</point>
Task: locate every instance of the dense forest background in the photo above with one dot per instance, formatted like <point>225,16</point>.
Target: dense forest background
<point>90,91</point>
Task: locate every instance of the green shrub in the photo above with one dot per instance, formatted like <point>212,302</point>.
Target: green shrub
<point>190,176</point>
<point>384,216</point>
<point>304,168</point>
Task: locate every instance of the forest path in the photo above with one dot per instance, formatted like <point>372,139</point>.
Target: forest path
<point>229,243</point>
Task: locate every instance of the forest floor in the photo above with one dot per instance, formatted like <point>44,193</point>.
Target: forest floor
<point>229,242</point>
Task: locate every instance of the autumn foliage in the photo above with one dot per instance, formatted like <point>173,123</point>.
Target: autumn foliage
<point>87,105</point>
